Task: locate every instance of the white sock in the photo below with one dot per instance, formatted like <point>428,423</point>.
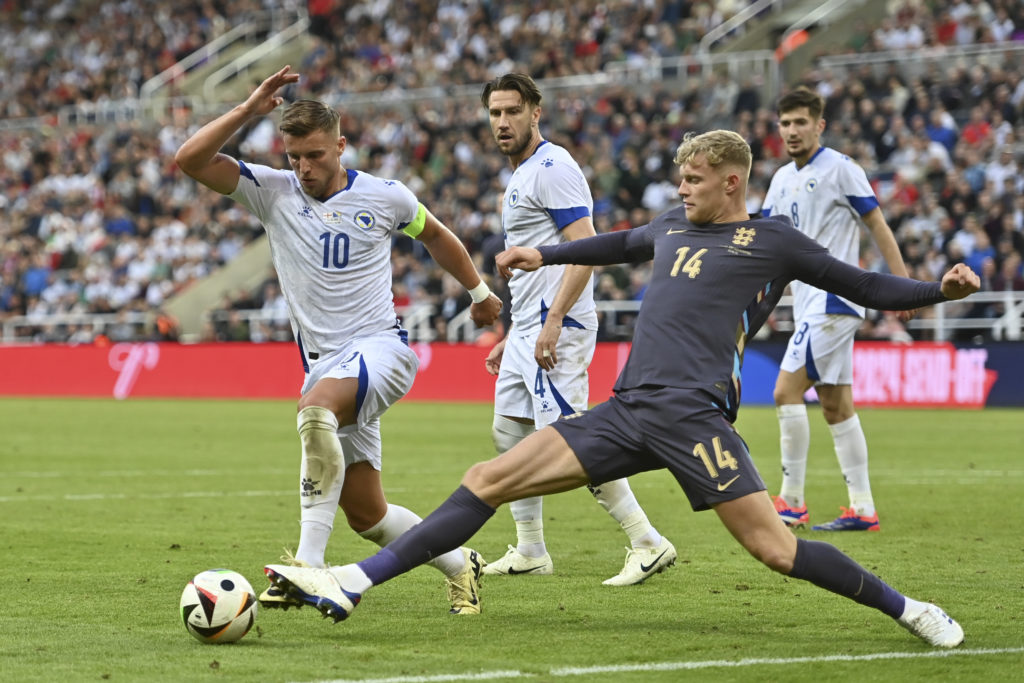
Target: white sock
<point>794,441</point>
<point>321,477</point>
<point>618,500</point>
<point>352,578</point>
<point>852,452</point>
<point>396,521</point>
<point>529,512</point>
<point>313,537</point>
<point>911,608</point>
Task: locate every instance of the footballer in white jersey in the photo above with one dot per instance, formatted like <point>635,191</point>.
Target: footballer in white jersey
<point>332,255</point>
<point>330,232</point>
<point>542,363</point>
<point>827,197</point>
<point>546,193</point>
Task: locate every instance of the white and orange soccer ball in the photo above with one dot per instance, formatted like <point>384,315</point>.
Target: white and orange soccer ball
<point>218,606</point>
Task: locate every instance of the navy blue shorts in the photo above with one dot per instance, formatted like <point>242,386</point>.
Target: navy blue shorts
<point>680,430</point>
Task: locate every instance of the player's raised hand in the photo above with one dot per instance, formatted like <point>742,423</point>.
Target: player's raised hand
<point>520,258</point>
<point>960,281</point>
<point>264,99</point>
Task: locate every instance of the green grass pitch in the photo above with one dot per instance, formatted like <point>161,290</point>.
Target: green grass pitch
<point>109,508</point>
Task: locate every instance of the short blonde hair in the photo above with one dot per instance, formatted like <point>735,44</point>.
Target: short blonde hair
<point>718,147</point>
<point>303,117</point>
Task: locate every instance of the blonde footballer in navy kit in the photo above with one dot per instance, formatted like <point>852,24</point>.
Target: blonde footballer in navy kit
<point>542,362</point>
<point>827,196</point>
<point>716,275</point>
<point>330,232</point>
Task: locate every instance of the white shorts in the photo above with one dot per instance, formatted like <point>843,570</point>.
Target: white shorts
<point>824,345</point>
<point>526,390</point>
<point>386,368</point>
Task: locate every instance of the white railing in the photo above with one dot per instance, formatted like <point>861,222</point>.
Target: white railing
<point>923,59</point>
<point>1005,323</point>
<point>211,50</point>
<point>240,65</point>
<point>737,23</point>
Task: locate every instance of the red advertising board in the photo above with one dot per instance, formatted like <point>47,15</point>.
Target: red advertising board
<point>920,374</point>
<point>451,372</point>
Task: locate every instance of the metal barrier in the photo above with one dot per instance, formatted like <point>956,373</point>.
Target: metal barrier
<point>1000,314</point>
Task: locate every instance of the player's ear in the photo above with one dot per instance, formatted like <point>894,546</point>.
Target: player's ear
<point>342,142</point>
<point>731,182</point>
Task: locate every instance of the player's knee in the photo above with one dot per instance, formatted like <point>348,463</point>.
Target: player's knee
<point>363,516</point>
<point>834,414</point>
<point>774,556</point>
<point>787,394</point>
<point>507,433</point>
<point>485,482</point>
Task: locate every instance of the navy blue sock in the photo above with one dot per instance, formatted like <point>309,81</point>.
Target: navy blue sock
<point>449,526</point>
<point>826,566</point>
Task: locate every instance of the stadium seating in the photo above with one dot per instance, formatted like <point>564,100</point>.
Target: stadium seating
<point>98,221</point>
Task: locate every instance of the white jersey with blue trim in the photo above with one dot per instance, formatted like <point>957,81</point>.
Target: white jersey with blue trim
<point>825,199</point>
<point>332,256</point>
<point>547,192</point>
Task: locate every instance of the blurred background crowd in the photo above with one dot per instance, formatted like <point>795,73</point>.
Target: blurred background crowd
<point>96,219</point>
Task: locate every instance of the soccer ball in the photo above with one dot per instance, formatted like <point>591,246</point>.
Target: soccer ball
<point>218,606</point>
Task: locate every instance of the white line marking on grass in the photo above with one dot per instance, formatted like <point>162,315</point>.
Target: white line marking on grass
<point>141,473</point>
<point>76,497</point>
<point>678,666</point>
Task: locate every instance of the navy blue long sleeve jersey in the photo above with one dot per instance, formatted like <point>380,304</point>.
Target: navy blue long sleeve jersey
<point>714,285</point>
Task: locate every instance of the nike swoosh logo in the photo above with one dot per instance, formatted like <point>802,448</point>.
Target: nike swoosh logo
<point>675,232</point>
<point>722,487</point>
<point>648,567</point>
<point>525,571</point>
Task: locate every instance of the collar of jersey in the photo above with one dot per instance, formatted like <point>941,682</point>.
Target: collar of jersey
<point>816,155</point>
<point>535,150</point>
<point>351,175</point>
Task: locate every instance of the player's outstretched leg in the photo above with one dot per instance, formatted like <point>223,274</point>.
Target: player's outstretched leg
<point>337,591</point>
<point>751,519</point>
<point>826,566</point>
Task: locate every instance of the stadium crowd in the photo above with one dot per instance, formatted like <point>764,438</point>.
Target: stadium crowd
<point>98,219</point>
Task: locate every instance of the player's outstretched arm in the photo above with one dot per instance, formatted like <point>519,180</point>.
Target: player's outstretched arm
<point>959,282</point>
<point>200,156</point>
<point>449,253</point>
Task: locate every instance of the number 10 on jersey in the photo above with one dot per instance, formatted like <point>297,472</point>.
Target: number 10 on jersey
<point>335,249</point>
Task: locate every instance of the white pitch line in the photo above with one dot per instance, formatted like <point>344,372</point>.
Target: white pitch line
<point>77,497</point>
<point>140,473</point>
<point>679,666</point>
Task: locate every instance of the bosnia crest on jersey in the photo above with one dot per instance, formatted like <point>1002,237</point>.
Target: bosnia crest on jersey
<point>365,220</point>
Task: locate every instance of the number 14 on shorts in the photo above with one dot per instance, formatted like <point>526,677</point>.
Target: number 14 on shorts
<point>723,458</point>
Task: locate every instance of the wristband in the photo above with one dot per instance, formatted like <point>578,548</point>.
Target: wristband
<point>480,292</point>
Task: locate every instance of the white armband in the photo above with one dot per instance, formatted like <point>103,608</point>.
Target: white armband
<point>480,292</point>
